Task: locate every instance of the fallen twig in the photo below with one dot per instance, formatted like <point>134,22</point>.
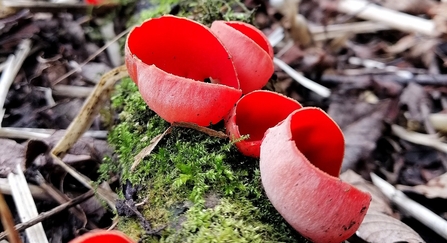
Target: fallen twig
<point>36,191</point>
<point>315,87</point>
<point>91,57</point>
<point>423,79</point>
<point>25,206</point>
<point>321,33</point>
<point>401,21</point>
<point>40,133</point>
<point>439,121</point>
<point>414,209</point>
<point>45,215</point>
<point>8,221</point>
<point>82,122</point>
<point>113,51</point>
<point>61,198</point>
<point>72,91</point>
<point>13,66</point>
<point>48,5</point>
<point>419,138</point>
<point>274,39</point>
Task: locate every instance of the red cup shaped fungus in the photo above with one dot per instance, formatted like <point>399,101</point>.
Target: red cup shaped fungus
<point>102,236</point>
<point>253,114</point>
<point>170,58</point>
<point>251,51</point>
<point>300,163</point>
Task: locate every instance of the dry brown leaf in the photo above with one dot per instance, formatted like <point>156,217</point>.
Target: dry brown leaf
<point>379,226</point>
<point>362,131</point>
<point>148,150</point>
<point>435,188</point>
<point>11,154</point>
<point>414,98</point>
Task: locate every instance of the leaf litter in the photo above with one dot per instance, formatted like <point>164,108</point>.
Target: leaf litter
<point>64,41</point>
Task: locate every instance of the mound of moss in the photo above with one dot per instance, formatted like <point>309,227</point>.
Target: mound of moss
<point>192,187</point>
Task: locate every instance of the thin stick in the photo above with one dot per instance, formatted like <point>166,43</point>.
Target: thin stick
<point>25,206</point>
<point>91,57</point>
<point>13,65</point>
<point>45,215</point>
<point>8,221</point>
<point>41,133</point>
<point>416,210</point>
<point>321,33</point>
<point>36,191</point>
<point>419,138</point>
<point>108,33</point>
<point>45,4</point>
<point>315,87</point>
<point>356,27</point>
<point>401,21</point>
<point>89,110</point>
<point>72,91</point>
<point>82,122</point>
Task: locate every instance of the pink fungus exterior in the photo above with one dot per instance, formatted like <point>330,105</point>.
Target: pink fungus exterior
<point>252,53</point>
<point>169,58</point>
<point>300,163</point>
<point>102,236</point>
<point>253,114</point>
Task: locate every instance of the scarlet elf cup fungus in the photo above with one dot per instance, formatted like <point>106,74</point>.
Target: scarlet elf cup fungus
<point>102,236</point>
<point>251,51</point>
<point>300,163</point>
<point>169,58</point>
<point>253,114</point>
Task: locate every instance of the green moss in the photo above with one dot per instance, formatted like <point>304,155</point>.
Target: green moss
<point>131,227</point>
<point>185,168</point>
<point>203,11</point>
<point>229,221</point>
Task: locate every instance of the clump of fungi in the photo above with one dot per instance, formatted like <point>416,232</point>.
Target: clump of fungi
<point>300,149</point>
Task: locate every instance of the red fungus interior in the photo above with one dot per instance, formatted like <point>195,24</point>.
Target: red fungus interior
<point>184,48</point>
<point>318,137</point>
<point>254,34</point>
<point>260,110</point>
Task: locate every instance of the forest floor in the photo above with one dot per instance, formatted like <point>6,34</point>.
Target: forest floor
<point>379,70</point>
